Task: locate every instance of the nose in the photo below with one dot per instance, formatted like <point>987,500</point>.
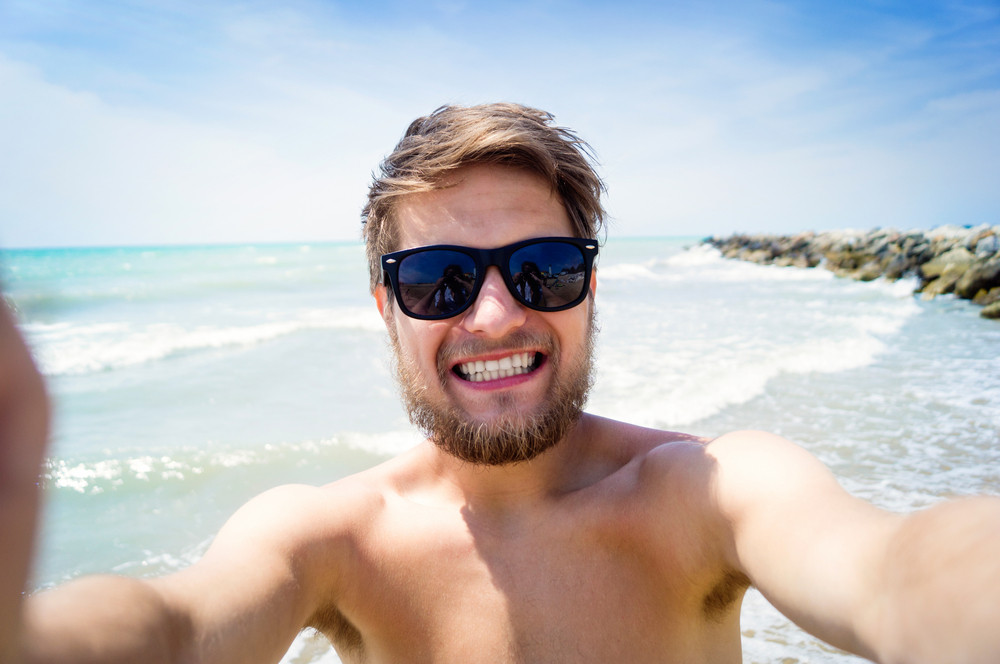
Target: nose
<point>495,313</point>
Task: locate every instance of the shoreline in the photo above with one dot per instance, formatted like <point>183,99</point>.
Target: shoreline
<point>959,260</point>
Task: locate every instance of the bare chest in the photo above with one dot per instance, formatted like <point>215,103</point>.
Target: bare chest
<point>579,586</point>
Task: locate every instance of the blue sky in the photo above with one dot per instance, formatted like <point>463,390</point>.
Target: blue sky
<point>168,121</point>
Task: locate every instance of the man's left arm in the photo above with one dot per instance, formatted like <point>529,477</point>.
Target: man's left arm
<point>915,588</point>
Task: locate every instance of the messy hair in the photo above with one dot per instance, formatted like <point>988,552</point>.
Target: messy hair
<point>455,136</point>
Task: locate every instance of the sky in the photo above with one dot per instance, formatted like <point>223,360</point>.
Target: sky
<point>176,122</point>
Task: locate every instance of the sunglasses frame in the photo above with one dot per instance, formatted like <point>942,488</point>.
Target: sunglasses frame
<point>483,259</point>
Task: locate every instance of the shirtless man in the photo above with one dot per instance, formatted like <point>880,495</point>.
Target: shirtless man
<point>522,530</point>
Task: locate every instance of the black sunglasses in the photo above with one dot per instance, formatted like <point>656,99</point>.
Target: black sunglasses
<point>443,280</point>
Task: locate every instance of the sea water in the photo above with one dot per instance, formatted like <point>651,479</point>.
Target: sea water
<point>185,380</point>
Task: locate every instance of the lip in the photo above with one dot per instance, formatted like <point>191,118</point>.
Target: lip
<point>541,361</point>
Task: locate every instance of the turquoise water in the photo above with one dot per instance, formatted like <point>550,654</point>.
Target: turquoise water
<point>188,379</point>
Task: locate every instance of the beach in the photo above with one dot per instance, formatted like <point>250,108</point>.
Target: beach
<point>186,380</point>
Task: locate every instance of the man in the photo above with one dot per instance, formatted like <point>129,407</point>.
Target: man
<point>522,530</point>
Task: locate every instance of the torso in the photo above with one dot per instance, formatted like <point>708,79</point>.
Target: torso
<point>620,568</point>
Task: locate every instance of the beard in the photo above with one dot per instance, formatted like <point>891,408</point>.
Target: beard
<point>516,434</point>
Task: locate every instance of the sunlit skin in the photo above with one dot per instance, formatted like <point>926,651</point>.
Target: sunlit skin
<point>618,544</point>
<point>486,207</point>
<point>530,591</point>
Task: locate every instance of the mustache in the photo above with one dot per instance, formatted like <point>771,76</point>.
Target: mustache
<point>518,340</point>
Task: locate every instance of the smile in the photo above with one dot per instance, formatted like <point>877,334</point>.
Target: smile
<point>504,367</point>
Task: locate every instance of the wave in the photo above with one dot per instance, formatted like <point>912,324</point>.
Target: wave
<point>685,358</point>
<point>139,472</point>
<point>695,388</point>
<point>706,264</point>
<point>82,348</point>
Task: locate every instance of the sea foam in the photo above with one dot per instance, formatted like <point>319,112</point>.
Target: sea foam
<point>74,349</point>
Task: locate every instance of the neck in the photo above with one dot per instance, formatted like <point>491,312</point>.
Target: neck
<point>548,475</point>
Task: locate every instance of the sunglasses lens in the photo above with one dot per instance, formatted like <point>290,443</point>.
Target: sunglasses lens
<point>437,282</point>
<point>548,275</point>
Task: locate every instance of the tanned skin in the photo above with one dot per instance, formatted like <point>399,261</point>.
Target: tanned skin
<point>619,543</point>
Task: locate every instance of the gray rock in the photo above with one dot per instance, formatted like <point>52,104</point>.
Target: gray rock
<point>981,275</point>
<point>985,297</point>
<point>991,311</point>
<point>940,285</point>
<point>956,258</point>
<point>988,246</point>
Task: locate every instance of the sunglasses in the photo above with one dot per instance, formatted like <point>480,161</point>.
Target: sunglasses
<point>443,280</point>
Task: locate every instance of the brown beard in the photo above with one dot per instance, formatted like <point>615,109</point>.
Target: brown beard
<point>515,436</point>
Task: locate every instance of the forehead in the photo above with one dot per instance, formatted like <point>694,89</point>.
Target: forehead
<point>483,206</point>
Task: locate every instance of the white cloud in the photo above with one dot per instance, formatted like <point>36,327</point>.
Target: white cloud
<point>267,123</point>
<point>91,172</point>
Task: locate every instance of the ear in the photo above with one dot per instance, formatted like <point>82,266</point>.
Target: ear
<point>593,282</point>
<point>381,296</point>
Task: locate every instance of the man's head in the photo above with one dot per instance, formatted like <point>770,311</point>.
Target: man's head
<point>451,137</point>
<point>485,178</point>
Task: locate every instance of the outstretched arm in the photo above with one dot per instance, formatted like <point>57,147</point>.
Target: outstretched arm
<point>255,589</point>
<point>259,584</point>
<point>23,433</point>
<point>916,588</point>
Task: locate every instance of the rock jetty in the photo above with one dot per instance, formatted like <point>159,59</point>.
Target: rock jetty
<point>948,259</point>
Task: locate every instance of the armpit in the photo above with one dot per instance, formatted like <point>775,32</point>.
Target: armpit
<point>726,592</point>
<point>341,632</point>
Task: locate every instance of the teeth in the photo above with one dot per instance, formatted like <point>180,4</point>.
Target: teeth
<point>512,365</point>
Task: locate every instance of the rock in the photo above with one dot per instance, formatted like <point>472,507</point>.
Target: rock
<point>974,235</point>
<point>941,285</point>
<point>898,266</point>
<point>991,311</point>
<point>948,232</point>
<point>985,297</point>
<point>981,275</point>
<point>988,246</point>
<point>870,271</point>
<point>959,257</point>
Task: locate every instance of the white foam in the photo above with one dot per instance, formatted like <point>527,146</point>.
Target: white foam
<point>73,349</point>
<point>629,272</point>
<point>703,263</point>
<point>692,379</point>
<point>310,647</point>
<point>390,443</point>
<point>702,254</point>
<point>104,475</point>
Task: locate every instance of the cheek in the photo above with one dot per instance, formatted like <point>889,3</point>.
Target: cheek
<point>420,340</point>
<point>572,324</point>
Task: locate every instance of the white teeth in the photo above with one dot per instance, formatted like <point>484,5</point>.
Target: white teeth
<point>512,365</point>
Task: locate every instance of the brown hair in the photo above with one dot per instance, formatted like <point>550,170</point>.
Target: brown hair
<point>456,136</point>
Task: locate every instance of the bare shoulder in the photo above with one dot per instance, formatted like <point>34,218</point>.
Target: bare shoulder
<point>664,471</point>
<point>739,460</point>
<point>752,462</point>
<point>753,443</point>
<point>632,443</point>
<point>298,510</point>
<point>308,531</point>
<point>675,517</point>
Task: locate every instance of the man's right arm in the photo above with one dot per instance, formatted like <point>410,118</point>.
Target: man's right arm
<point>258,585</point>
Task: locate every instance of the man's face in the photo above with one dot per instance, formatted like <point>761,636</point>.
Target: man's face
<point>511,418</point>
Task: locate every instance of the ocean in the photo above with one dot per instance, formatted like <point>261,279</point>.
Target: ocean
<point>185,380</point>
